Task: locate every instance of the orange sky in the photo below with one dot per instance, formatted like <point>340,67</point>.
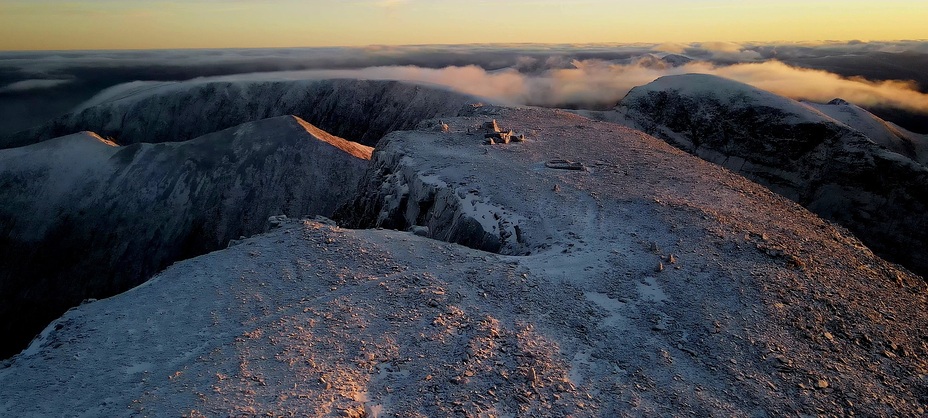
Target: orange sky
<point>138,24</point>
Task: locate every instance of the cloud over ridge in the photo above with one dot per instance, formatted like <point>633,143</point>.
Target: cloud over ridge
<point>600,84</point>
<point>32,84</point>
<point>885,77</point>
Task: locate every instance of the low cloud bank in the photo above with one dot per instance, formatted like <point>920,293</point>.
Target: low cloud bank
<point>27,85</point>
<point>593,76</point>
<point>821,86</point>
<point>601,84</point>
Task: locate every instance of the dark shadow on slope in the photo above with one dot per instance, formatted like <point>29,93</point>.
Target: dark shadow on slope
<point>147,206</point>
<point>372,208</point>
<point>395,195</point>
<point>359,110</point>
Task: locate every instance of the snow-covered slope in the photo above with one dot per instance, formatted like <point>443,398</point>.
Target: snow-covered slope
<point>649,283</point>
<point>894,138</point>
<point>358,110</point>
<point>83,218</point>
<point>832,168</point>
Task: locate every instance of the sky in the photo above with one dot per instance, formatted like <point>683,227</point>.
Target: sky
<point>167,24</point>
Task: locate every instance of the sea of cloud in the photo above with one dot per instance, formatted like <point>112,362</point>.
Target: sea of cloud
<point>599,84</point>
<point>876,74</point>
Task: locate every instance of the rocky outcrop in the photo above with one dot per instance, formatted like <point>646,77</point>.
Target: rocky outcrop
<point>401,192</point>
<point>797,151</point>
<point>83,218</point>
<point>362,111</point>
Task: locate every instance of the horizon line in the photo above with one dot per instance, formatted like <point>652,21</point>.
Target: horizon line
<point>474,44</point>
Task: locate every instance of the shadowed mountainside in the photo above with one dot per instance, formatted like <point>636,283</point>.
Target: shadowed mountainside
<point>359,110</point>
<point>83,218</point>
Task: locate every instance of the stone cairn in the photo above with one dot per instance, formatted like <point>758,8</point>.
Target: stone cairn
<point>494,135</point>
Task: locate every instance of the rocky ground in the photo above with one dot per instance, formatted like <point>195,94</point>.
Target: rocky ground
<point>647,283</point>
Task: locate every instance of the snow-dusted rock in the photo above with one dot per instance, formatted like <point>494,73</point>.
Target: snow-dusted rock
<point>81,217</point>
<point>761,302</point>
<point>404,188</point>
<point>887,134</point>
<point>358,110</point>
<point>831,167</point>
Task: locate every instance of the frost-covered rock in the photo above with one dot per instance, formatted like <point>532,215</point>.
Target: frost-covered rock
<point>359,110</point>
<point>887,134</point>
<point>759,301</point>
<point>81,217</point>
<point>831,167</point>
<point>400,192</point>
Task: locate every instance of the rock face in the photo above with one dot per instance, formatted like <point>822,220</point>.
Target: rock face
<point>83,218</point>
<point>762,306</point>
<point>396,195</point>
<point>796,150</point>
<point>362,111</point>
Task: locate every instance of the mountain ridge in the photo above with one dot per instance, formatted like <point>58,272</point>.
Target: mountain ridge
<point>894,138</point>
<point>359,110</point>
<point>648,273</point>
<point>82,218</point>
<point>796,150</point>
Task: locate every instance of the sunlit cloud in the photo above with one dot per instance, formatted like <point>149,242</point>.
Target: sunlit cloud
<point>672,47</point>
<point>820,86</point>
<point>588,76</point>
<point>601,84</point>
